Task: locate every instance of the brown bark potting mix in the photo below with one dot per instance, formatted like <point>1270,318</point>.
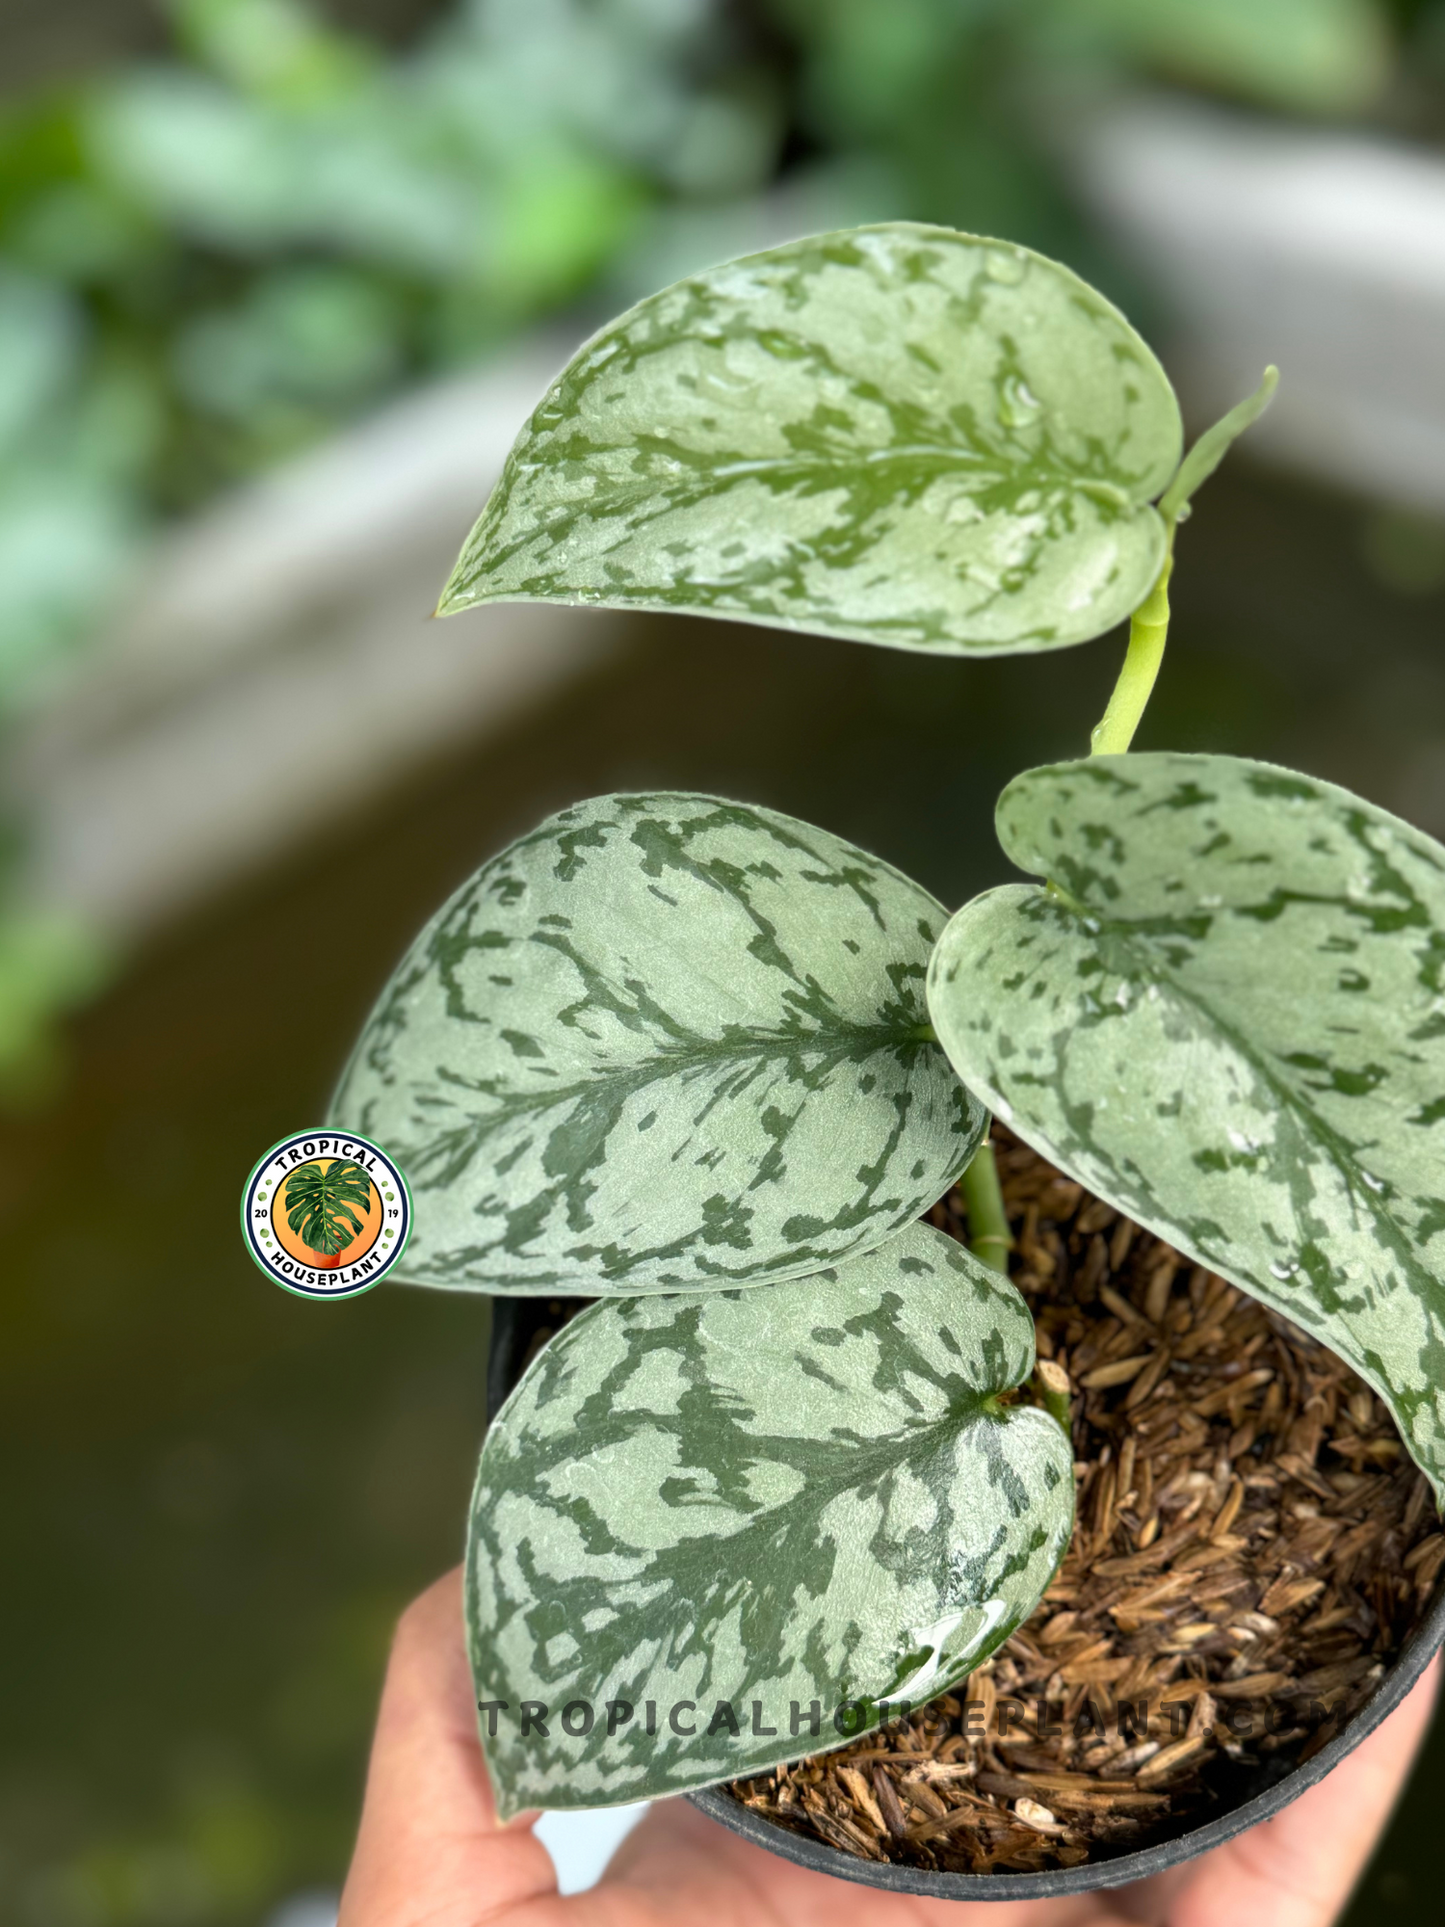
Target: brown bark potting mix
<point>1252,1548</point>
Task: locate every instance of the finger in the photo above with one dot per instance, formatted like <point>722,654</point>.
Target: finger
<point>429,1849</point>
<point>1299,1869</point>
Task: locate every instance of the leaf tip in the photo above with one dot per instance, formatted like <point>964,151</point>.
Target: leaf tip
<point>1209,451</point>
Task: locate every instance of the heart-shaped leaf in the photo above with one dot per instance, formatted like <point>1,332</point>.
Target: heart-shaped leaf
<point>898,434</point>
<point>700,1518</point>
<point>1227,1017</point>
<point>664,1042</point>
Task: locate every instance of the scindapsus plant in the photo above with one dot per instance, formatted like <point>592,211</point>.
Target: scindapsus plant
<point>708,1065</point>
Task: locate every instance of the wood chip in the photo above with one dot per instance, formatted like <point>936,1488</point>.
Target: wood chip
<point>1288,1593</point>
<point>1254,1686</point>
<point>862,1793</point>
<point>1119,1373</point>
<point>1229,1511</point>
<point>917,1792</point>
<point>1249,1541</point>
<point>1121,1308</point>
<point>1427,1549</point>
<point>889,1804</point>
<point>962,1816</point>
<point>1170,1758</point>
<point>1036,1816</point>
<point>1149,1380</point>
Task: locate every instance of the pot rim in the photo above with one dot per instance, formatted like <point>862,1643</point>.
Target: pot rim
<point>1093,1875</point>
<point>504,1361</point>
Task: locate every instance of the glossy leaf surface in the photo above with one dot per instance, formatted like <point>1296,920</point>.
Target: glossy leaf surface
<point>734,1503</point>
<point>897,434</point>
<point>664,1042</point>
<point>1229,1021</point>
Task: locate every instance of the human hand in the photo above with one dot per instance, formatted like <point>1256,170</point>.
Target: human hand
<point>431,1853</point>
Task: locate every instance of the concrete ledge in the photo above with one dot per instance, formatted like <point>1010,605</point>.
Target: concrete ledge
<point>277,662</point>
<point>1323,252</point>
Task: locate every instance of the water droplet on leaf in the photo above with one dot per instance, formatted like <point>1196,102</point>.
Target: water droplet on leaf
<point>1018,406</point>
<point>1007,265</point>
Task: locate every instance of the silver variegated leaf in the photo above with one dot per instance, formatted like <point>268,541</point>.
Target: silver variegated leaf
<point>898,434</point>
<point>713,1512</point>
<point>663,1043</point>
<point>1226,1015</point>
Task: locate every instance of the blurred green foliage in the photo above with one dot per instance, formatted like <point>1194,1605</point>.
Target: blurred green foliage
<point>209,260</point>
<point>965,98</point>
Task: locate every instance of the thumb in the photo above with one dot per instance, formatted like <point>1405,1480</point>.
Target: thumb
<point>430,1852</point>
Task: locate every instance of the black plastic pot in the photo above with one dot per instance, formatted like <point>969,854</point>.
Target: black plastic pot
<point>521,1326</point>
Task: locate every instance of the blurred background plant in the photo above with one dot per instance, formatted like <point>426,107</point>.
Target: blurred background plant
<point>211,257</point>
<point>213,253</point>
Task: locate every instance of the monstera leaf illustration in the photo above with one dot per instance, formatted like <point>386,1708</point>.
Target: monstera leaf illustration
<point>319,1200</point>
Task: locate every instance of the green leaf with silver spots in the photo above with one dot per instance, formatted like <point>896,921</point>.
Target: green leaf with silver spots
<point>747,1502</point>
<point>897,434</point>
<point>663,1043</point>
<point>1227,1017</point>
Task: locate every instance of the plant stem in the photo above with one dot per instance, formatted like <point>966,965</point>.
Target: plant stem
<point>1149,625</point>
<point>988,1232</point>
<point>1054,1384</point>
<point>1148,630</point>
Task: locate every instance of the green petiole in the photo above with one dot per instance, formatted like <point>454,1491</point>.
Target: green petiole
<point>1148,632</point>
<point>1149,624</point>
<point>988,1234</point>
<point>1054,1385</point>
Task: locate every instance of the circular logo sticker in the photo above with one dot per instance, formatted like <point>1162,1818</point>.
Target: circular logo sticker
<point>326,1216</point>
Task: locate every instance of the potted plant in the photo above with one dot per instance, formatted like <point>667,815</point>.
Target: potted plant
<point>792,1474</point>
